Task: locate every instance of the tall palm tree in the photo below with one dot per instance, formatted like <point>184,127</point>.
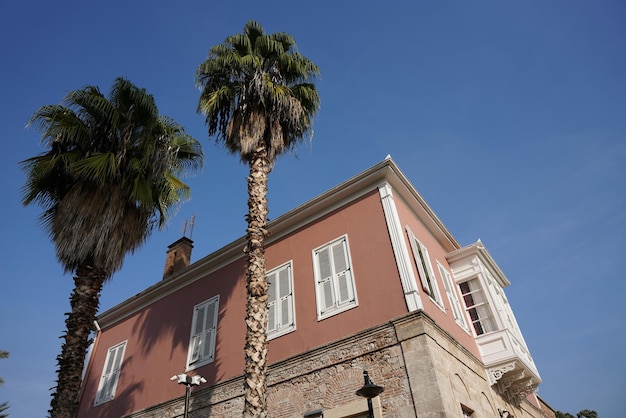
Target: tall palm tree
<point>109,177</point>
<point>259,102</point>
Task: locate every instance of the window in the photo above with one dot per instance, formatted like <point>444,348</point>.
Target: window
<point>334,280</point>
<point>477,307</point>
<point>281,318</point>
<point>203,327</point>
<point>455,304</point>
<point>110,374</point>
<point>425,269</point>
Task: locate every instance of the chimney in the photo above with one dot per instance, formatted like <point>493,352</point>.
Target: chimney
<point>178,256</point>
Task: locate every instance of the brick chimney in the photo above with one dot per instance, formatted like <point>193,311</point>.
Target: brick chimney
<point>178,256</point>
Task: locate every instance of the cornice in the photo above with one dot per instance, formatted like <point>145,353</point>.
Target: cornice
<point>196,271</point>
<point>385,172</point>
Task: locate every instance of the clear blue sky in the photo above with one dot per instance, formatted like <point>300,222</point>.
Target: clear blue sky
<point>509,117</point>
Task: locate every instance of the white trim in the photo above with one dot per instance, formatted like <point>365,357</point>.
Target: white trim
<point>110,373</point>
<point>329,290</point>
<point>400,250</point>
<point>451,291</point>
<point>282,329</point>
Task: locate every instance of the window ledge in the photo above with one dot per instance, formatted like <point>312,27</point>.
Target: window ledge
<point>336,311</point>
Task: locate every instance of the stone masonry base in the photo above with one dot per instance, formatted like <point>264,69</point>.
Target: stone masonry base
<point>425,373</point>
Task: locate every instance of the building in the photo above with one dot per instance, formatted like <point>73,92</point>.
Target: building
<point>363,277</point>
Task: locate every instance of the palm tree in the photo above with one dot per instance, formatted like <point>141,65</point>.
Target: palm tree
<point>258,101</point>
<point>109,177</point>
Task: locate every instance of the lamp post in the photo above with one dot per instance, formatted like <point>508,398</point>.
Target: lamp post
<point>369,391</point>
<point>188,381</point>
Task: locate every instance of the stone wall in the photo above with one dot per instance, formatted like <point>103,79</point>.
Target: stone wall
<point>424,371</point>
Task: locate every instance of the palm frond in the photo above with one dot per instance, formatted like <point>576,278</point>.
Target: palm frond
<point>256,91</point>
<point>99,168</point>
<point>101,181</point>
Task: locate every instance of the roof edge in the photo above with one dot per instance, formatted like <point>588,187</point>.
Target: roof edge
<point>370,179</point>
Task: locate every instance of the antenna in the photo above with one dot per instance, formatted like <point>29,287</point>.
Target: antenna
<point>189,223</point>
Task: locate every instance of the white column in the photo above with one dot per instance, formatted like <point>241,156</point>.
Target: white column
<point>400,250</point>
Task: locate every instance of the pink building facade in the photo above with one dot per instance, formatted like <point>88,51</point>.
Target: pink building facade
<point>362,277</point>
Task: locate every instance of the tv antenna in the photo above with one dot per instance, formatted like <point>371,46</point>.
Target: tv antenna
<point>189,224</point>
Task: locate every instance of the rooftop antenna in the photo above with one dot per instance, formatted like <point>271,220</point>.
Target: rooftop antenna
<point>190,225</point>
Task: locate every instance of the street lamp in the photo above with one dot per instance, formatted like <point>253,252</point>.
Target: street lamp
<point>505,414</point>
<point>188,381</point>
<point>369,391</point>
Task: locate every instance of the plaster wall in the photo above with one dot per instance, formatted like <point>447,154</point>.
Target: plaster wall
<point>157,335</point>
<point>437,253</point>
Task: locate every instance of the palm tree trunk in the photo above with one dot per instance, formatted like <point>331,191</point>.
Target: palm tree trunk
<point>79,324</point>
<point>256,306</point>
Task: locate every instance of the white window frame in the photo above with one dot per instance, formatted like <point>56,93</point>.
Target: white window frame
<point>335,282</point>
<point>455,304</point>
<point>110,373</point>
<point>477,307</point>
<point>200,337</point>
<point>425,269</point>
<point>281,317</point>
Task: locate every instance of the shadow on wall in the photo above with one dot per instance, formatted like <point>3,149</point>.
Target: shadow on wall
<point>162,331</point>
<point>124,399</point>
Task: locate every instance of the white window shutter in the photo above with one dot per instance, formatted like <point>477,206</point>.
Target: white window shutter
<point>280,301</point>
<point>432,279</point>
<point>345,288</point>
<point>326,291</point>
<point>271,302</point>
<point>285,296</point>
<point>427,264</point>
<point>325,284</point>
<point>323,260</point>
<point>115,372</point>
<point>335,289</point>
<point>204,325</point>
<point>198,333</point>
<point>455,304</point>
<point>419,261</point>
<point>285,313</point>
<point>342,273</point>
<point>340,261</point>
<point>209,332</point>
<point>111,373</point>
